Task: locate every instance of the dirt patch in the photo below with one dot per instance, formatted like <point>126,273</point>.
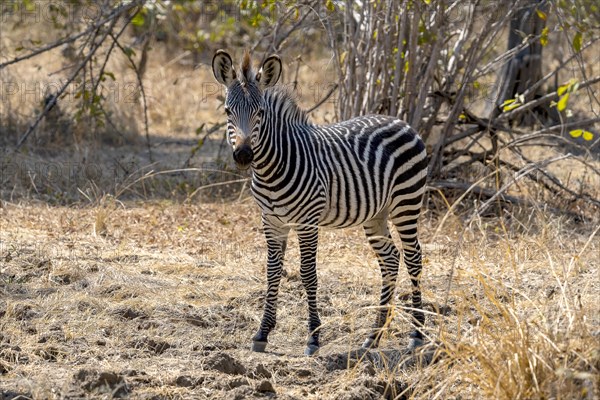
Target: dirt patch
<point>187,381</point>
<point>128,313</point>
<point>105,382</point>
<point>155,346</point>
<point>265,386</point>
<point>225,363</point>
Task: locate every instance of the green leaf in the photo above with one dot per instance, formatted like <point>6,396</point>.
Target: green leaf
<point>110,75</point>
<point>138,19</point>
<point>577,41</point>
<point>587,135</point>
<point>541,14</point>
<point>562,89</point>
<point>510,107</point>
<point>256,20</point>
<point>544,37</point>
<point>569,87</point>
<point>510,104</point>
<point>330,6</point>
<point>129,51</point>
<point>576,133</point>
<point>343,57</point>
<point>562,103</point>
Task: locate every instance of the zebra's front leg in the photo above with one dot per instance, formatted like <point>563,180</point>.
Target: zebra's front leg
<point>388,257</point>
<point>276,244</point>
<point>308,240</point>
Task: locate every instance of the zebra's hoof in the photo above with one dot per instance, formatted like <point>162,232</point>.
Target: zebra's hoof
<point>369,343</point>
<point>414,343</point>
<point>311,350</point>
<point>259,347</point>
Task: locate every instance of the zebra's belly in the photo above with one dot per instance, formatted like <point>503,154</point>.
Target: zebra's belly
<point>329,218</point>
<point>288,212</point>
<point>347,210</point>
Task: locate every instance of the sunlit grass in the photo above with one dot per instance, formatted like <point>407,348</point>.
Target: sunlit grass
<point>512,316</point>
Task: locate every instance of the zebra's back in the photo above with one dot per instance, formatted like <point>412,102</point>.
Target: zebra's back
<point>367,165</point>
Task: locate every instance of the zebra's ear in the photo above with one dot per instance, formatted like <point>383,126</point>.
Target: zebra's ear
<point>223,68</point>
<point>269,72</point>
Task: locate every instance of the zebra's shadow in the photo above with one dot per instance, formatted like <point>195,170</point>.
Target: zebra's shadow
<point>382,359</point>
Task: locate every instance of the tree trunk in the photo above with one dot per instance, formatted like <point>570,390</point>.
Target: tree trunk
<point>525,68</point>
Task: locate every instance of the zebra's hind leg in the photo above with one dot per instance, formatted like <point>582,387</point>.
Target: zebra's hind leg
<point>388,257</point>
<point>405,221</point>
<point>308,238</point>
<point>276,243</point>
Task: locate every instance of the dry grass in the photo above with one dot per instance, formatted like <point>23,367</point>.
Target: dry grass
<point>163,300</point>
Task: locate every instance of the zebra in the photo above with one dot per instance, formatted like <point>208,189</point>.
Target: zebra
<point>364,171</point>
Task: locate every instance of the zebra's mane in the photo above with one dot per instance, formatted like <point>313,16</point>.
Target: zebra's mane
<point>282,94</point>
<point>248,73</point>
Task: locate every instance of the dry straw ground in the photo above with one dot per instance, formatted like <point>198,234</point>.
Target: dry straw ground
<point>160,300</point>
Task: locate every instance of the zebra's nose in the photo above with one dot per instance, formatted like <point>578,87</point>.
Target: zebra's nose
<point>243,156</point>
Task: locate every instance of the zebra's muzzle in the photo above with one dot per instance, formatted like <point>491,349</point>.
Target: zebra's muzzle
<point>243,156</point>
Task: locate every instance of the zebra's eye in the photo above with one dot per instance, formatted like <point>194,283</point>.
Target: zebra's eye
<point>227,111</point>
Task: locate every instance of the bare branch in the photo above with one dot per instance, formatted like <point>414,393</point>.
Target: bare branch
<point>323,100</point>
<point>542,100</point>
<point>141,84</point>
<point>54,99</point>
<point>120,10</point>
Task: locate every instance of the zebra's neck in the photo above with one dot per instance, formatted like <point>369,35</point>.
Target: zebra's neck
<point>283,119</point>
<point>280,103</point>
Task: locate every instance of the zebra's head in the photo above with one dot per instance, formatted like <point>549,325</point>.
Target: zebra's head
<point>244,102</point>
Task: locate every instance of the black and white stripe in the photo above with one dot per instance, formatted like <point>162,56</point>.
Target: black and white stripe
<point>365,171</point>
